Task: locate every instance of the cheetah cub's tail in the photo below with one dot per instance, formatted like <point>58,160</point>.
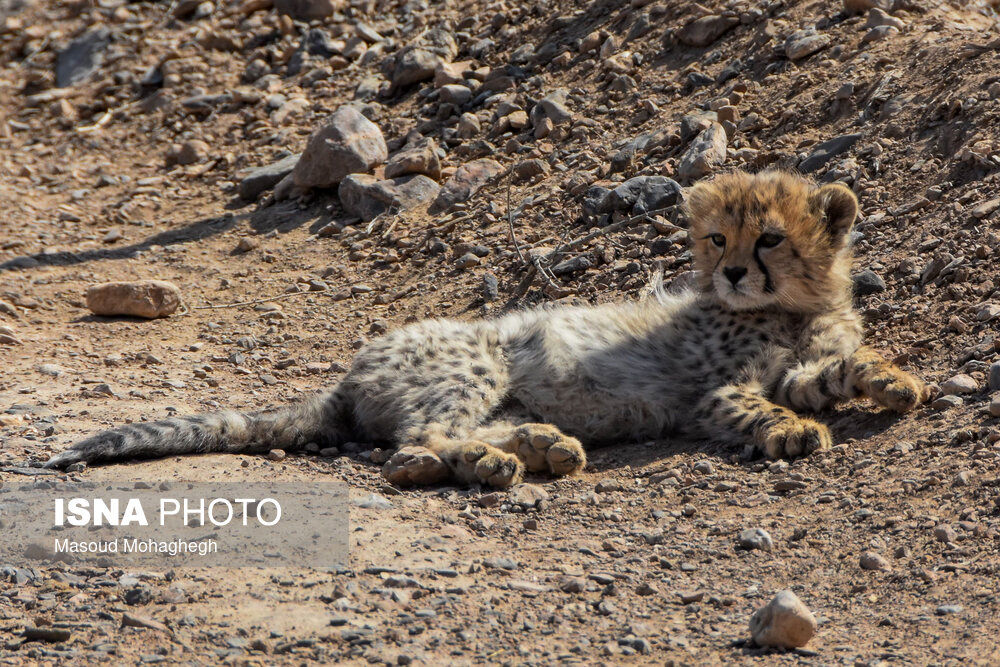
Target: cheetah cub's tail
<point>323,420</point>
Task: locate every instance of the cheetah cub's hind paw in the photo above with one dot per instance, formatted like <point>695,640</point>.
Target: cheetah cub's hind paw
<point>544,448</point>
<point>795,437</point>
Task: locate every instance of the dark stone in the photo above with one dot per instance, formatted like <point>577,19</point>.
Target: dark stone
<point>367,197</point>
<point>491,289</point>
<point>867,282</point>
<point>595,201</point>
<point>643,194</point>
<point>317,42</point>
<point>822,153</point>
<point>695,123</point>
<point>572,265</point>
<point>264,178</point>
<point>697,80</point>
<point>83,55</point>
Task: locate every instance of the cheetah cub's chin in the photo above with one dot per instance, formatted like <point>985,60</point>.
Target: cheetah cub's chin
<point>769,332</point>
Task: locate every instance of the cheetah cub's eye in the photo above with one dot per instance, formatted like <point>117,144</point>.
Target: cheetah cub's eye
<point>769,240</point>
<point>718,239</point>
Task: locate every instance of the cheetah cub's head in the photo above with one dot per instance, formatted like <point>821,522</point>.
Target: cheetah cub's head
<point>772,240</point>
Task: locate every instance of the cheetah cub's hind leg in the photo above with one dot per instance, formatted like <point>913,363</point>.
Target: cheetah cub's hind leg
<point>473,461</point>
<point>777,431</point>
<point>542,447</point>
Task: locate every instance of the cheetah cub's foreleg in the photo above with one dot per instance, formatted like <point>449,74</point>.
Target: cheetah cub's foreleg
<point>821,383</point>
<point>743,411</point>
<point>885,383</point>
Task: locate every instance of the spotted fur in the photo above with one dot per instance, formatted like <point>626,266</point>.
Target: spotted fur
<point>770,330</point>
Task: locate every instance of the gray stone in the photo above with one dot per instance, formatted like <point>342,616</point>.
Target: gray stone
<point>756,538</point>
<point>347,143</point>
<point>553,106</point>
<point>705,30</point>
<point>945,533</point>
<point>879,17</point>
<point>465,182</point>
<point>419,157</point>
<point>491,287</point>
<point>878,34</point>
<point>372,501</point>
<point>306,10</point>
<point>872,561</point>
<point>822,153</point>
<point>454,93</point>
<point>695,123</point>
<point>572,265</point>
<point>784,622</point>
<point>948,609</point>
<point>412,65</point>
<point>994,376</point>
<point>705,153</point>
<point>368,197</point>
<point>946,402</point>
<point>82,56</point>
<point>595,202</point>
<point>643,194</point>
<point>867,282</point>
<point>806,42</point>
<point>528,495</point>
<point>959,384</point>
<point>258,180</point>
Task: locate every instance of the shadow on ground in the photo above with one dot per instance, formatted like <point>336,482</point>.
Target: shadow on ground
<point>283,217</point>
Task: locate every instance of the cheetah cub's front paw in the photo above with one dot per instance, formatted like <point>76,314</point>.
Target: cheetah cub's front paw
<point>896,389</point>
<point>795,437</point>
<point>544,448</point>
<point>483,463</point>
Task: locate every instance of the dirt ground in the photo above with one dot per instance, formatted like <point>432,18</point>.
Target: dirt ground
<point>634,561</point>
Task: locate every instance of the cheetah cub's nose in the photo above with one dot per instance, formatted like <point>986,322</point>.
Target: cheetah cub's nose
<point>735,273</point>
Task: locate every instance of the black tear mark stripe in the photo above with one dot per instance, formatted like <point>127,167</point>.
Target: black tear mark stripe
<point>768,283</point>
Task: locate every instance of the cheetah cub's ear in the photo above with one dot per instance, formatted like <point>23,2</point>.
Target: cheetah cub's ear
<point>837,207</point>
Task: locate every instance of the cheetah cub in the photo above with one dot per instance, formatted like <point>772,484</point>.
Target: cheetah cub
<point>769,331</point>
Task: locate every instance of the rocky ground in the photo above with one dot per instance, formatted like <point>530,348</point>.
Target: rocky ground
<point>501,155</point>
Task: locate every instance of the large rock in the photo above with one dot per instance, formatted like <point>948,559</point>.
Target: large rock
<point>418,62</point>
<point>822,153</point>
<point>367,197</point>
<point>554,107</point>
<point>642,194</point>
<point>144,298</point>
<point>707,29</point>
<point>705,153</point>
<point>82,56</point>
<point>784,622</point>
<point>465,182</point>
<point>806,42</point>
<point>256,181</point>
<point>413,65</point>
<point>306,10</point>
<point>695,123</point>
<point>347,143</point>
<point>419,157</point>
<point>454,93</point>
<point>410,466</point>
